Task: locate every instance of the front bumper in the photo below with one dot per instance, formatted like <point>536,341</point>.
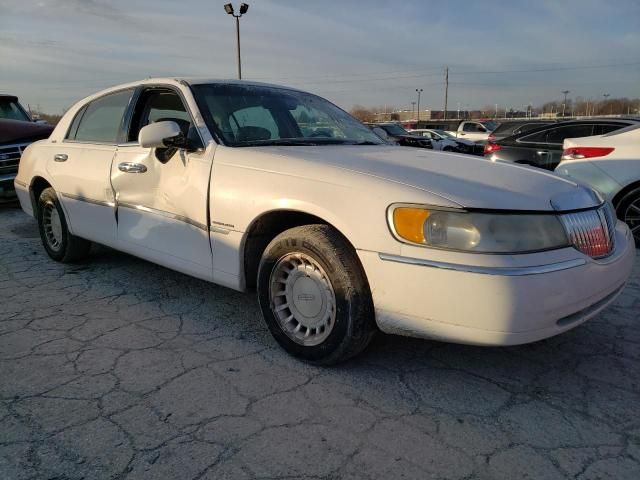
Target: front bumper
<point>7,191</point>
<point>494,306</point>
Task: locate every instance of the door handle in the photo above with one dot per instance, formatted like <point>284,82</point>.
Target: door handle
<point>60,157</point>
<point>129,167</point>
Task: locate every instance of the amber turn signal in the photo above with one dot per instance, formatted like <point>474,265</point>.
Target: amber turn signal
<point>409,223</point>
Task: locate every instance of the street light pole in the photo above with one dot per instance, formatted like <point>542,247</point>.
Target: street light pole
<point>419,91</point>
<point>565,92</point>
<point>243,9</point>
<point>606,97</point>
<point>413,110</point>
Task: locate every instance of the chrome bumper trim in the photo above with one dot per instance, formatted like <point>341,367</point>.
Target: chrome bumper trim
<point>505,271</point>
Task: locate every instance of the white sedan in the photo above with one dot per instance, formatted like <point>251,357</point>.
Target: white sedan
<point>610,164</point>
<point>256,186</point>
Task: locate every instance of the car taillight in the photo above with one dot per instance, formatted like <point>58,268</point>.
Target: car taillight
<point>577,153</point>
<point>491,147</point>
<point>492,137</point>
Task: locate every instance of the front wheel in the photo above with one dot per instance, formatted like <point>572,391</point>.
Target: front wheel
<point>59,243</point>
<point>314,295</point>
<point>628,210</point>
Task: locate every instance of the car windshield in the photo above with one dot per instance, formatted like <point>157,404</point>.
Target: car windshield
<point>11,110</point>
<point>394,129</point>
<point>442,133</point>
<point>251,115</point>
<point>490,125</point>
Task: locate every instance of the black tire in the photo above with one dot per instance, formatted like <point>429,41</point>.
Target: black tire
<point>67,248</point>
<point>627,211</point>
<point>448,149</point>
<point>354,324</point>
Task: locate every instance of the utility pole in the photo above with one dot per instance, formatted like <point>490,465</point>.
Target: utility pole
<point>446,91</point>
<point>419,91</point>
<point>413,110</point>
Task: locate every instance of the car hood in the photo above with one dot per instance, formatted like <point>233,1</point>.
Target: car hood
<point>16,131</point>
<point>471,182</point>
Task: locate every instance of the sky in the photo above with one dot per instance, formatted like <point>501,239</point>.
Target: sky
<point>373,53</point>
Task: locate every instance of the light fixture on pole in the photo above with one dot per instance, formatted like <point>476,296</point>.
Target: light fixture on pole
<point>243,9</point>
<point>418,91</point>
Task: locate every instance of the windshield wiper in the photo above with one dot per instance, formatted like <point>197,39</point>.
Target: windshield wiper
<point>365,142</point>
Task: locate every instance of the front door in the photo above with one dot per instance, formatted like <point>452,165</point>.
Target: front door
<point>161,194</point>
<point>81,166</point>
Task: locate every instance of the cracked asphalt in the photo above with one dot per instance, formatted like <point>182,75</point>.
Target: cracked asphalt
<point>117,368</point>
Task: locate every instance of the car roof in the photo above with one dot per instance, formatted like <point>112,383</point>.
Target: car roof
<point>8,97</point>
<point>627,120</point>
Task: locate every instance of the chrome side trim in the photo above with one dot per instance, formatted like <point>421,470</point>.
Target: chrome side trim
<point>215,229</point>
<point>162,213</point>
<point>506,271</point>
<point>80,198</point>
<point>22,184</point>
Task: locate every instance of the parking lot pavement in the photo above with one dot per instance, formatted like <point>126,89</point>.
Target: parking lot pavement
<point>117,368</point>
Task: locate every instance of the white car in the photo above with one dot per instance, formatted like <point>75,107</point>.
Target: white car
<point>340,234</point>
<point>610,164</point>
<point>444,141</point>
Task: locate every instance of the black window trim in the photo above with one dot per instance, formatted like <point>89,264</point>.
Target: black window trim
<point>593,123</point>
<point>84,108</point>
<point>140,89</point>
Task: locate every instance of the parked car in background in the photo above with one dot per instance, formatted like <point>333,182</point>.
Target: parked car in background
<point>17,131</point>
<point>475,130</point>
<point>610,164</point>
<point>446,142</point>
<point>542,147</point>
<point>397,134</point>
<point>340,236</point>
<point>513,127</point>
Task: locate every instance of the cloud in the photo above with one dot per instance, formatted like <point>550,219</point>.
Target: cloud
<point>373,52</point>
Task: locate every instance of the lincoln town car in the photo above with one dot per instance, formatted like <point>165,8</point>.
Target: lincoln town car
<point>268,188</point>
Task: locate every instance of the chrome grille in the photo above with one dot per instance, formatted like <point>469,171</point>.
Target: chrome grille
<point>10,157</point>
<point>591,231</point>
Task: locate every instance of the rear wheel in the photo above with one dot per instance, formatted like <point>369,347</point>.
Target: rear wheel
<point>628,210</point>
<point>59,243</point>
<point>314,295</point>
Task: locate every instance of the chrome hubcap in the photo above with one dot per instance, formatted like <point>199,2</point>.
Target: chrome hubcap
<point>52,226</point>
<point>302,299</point>
<point>632,218</point>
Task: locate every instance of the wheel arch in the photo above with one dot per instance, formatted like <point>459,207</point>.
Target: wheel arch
<point>36,187</point>
<point>265,227</point>
<point>626,189</point>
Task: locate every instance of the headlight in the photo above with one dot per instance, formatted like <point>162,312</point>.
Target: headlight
<point>477,232</point>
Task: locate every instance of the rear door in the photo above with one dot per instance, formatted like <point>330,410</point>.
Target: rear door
<point>81,166</point>
<point>162,200</point>
<point>544,148</point>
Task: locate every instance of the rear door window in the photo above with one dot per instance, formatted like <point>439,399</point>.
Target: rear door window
<point>557,135</point>
<point>602,128</point>
<point>101,120</point>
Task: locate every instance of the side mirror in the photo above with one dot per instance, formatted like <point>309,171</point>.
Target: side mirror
<point>162,135</point>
